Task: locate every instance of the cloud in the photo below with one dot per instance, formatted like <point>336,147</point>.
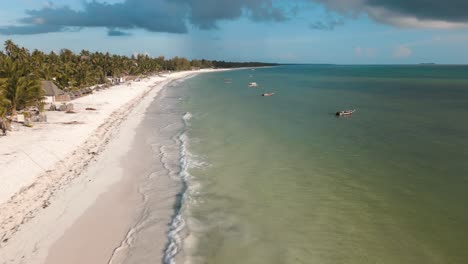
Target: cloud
<point>403,20</point>
<point>155,16</point>
<point>329,24</point>
<point>431,10</point>
<point>206,13</point>
<point>117,33</point>
<point>29,29</point>
<point>365,52</point>
<point>358,51</point>
<point>405,13</point>
<point>402,52</point>
<point>175,16</point>
<point>169,16</point>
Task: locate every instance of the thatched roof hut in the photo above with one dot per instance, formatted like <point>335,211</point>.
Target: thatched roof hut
<point>53,93</point>
<point>50,89</point>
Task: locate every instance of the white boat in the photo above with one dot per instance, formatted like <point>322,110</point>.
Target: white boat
<point>268,94</point>
<point>253,84</point>
<point>345,112</point>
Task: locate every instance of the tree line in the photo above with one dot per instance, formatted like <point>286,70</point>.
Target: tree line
<point>21,71</point>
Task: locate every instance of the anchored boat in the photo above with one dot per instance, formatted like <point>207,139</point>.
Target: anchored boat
<point>345,112</point>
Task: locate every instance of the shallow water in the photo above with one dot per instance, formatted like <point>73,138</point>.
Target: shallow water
<point>282,180</point>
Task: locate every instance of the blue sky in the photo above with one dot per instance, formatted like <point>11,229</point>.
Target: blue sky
<point>294,31</point>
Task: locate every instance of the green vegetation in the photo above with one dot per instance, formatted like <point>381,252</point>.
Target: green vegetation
<point>21,71</point>
<point>18,85</point>
<point>227,64</point>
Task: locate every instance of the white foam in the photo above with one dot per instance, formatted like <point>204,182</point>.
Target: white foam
<point>187,116</point>
<point>187,161</point>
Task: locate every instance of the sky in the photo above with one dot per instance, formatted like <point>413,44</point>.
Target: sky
<point>293,31</point>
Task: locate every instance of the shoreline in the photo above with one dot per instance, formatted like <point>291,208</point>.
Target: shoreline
<point>62,203</point>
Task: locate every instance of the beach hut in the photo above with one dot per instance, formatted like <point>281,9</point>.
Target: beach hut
<point>52,93</point>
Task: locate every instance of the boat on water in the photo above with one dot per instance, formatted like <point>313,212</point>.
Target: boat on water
<point>253,84</point>
<point>268,94</point>
<point>345,112</point>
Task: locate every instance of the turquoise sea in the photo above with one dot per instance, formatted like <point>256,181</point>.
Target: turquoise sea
<point>281,179</point>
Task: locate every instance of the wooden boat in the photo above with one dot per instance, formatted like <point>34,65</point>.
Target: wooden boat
<point>345,112</point>
<point>268,94</point>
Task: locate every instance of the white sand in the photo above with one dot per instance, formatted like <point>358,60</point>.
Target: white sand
<point>51,174</point>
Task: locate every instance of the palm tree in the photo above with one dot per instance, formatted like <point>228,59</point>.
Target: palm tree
<point>45,72</point>
<point>20,69</point>
<point>18,86</point>
<point>4,107</point>
<point>4,104</point>
<point>15,52</point>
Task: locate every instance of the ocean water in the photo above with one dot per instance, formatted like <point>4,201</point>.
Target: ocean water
<point>281,179</point>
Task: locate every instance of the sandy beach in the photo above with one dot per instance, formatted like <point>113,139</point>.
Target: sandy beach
<point>68,189</point>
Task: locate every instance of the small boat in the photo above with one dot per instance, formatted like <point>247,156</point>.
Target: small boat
<point>345,112</point>
<point>268,94</point>
<point>253,84</point>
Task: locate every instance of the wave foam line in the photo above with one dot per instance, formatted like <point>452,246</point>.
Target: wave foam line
<point>178,223</point>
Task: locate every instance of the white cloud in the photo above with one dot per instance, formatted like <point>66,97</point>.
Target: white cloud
<point>365,52</point>
<point>39,21</point>
<point>358,51</point>
<point>402,52</point>
<point>405,13</point>
<point>48,4</point>
<point>406,21</point>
